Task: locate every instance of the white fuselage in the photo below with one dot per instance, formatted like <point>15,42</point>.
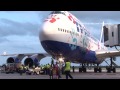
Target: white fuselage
<point>62,28</point>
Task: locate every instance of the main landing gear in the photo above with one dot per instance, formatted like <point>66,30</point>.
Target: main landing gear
<point>83,68</point>
<point>111,68</point>
<point>97,68</point>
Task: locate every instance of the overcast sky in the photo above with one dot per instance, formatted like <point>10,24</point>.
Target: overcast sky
<point>19,30</point>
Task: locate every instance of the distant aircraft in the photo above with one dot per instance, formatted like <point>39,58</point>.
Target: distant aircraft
<point>62,35</point>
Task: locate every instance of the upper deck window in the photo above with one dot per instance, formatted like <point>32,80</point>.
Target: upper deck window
<point>58,12</point>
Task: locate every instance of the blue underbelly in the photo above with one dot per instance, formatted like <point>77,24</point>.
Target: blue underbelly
<point>69,51</point>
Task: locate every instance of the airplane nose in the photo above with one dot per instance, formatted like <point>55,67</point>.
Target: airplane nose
<point>45,28</point>
<point>46,31</point>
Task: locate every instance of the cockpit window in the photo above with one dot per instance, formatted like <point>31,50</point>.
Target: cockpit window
<point>58,12</point>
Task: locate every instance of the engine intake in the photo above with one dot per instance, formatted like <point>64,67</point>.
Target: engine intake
<point>10,60</point>
<point>13,60</point>
<point>31,62</point>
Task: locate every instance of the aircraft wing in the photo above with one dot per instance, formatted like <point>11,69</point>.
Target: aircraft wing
<point>26,54</point>
<point>21,56</point>
<point>107,54</point>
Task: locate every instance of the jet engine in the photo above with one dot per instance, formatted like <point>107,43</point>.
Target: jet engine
<point>33,60</point>
<point>13,60</point>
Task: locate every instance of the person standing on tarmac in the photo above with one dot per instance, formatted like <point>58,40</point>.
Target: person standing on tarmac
<point>21,69</point>
<point>48,69</point>
<point>52,62</point>
<point>67,69</point>
<point>58,70</point>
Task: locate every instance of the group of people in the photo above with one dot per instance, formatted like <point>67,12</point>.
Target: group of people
<point>22,69</point>
<point>29,70</point>
<point>56,70</point>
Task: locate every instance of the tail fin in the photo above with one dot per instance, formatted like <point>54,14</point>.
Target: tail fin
<point>102,35</point>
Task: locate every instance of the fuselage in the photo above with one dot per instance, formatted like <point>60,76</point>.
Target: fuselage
<point>62,34</point>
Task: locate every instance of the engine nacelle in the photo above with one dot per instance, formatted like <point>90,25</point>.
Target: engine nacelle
<point>13,60</point>
<point>33,60</point>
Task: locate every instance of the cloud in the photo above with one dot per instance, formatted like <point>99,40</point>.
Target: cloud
<point>95,16</point>
<point>26,44</point>
<point>9,27</point>
<point>3,39</point>
<point>43,14</point>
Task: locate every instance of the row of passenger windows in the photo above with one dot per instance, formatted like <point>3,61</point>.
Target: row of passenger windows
<point>67,31</point>
<point>77,34</point>
<point>64,30</point>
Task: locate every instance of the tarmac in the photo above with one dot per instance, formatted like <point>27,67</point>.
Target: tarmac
<point>88,75</point>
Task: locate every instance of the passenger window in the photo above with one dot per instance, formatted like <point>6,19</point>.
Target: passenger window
<point>79,25</point>
<point>81,30</point>
<point>77,28</point>
<point>58,12</point>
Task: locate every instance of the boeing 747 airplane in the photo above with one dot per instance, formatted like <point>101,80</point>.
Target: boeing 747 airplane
<point>62,35</point>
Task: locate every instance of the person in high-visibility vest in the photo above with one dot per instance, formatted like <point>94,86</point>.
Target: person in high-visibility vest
<point>21,69</point>
<point>67,69</point>
<point>34,69</point>
<point>27,68</point>
<point>24,68</point>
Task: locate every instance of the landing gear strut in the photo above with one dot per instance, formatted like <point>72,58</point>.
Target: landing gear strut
<point>83,68</point>
<point>97,68</point>
<point>111,68</point>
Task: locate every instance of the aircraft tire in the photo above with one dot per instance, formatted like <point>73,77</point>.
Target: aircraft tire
<point>100,70</point>
<point>109,70</point>
<point>114,70</point>
<point>84,69</point>
<point>80,69</point>
<point>95,70</point>
<point>7,72</point>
